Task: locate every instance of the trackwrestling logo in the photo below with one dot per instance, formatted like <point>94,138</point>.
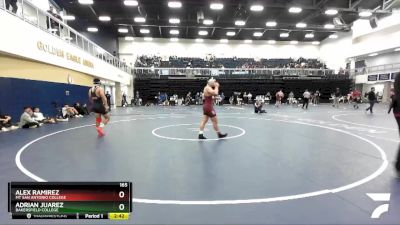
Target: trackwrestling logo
<point>379,197</point>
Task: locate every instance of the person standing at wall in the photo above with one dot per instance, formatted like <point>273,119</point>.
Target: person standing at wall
<point>197,98</point>
<point>244,97</point>
<point>372,99</point>
<point>336,98</point>
<point>124,100</point>
<point>201,97</point>
<point>249,97</point>
<point>268,97</point>
<point>108,96</point>
<point>137,98</point>
<point>188,99</point>
<point>279,97</point>
<point>395,105</point>
<point>49,22</point>
<point>306,98</point>
<point>317,95</point>
<point>53,24</point>
<point>291,99</point>
<point>13,4</point>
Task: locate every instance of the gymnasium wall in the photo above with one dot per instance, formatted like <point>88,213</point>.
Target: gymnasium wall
<point>37,68</point>
<point>25,40</point>
<point>14,67</point>
<point>363,40</point>
<point>384,58</point>
<point>148,88</point>
<point>17,93</point>
<point>28,83</point>
<point>335,52</point>
<point>384,37</point>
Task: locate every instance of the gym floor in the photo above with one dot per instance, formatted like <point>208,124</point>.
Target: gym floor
<point>289,166</point>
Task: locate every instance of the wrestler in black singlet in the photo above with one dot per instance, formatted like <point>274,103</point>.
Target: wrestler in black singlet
<point>98,106</point>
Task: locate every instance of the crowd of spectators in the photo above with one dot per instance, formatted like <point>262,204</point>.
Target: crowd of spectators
<point>279,98</point>
<point>237,99</point>
<point>32,117</point>
<point>148,61</point>
<point>354,96</point>
<point>213,62</point>
<point>164,99</point>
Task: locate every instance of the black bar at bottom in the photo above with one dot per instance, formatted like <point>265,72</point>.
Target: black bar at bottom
<point>31,216</point>
<point>65,216</point>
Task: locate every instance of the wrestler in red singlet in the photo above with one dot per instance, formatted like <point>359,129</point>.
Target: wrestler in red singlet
<point>208,106</point>
<point>356,98</point>
<point>210,90</point>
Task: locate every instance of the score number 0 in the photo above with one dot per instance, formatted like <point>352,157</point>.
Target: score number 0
<point>121,194</point>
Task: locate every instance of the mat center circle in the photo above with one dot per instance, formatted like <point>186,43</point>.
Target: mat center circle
<point>189,132</point>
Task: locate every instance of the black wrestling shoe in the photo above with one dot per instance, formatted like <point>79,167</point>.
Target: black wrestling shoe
<point>201,137</point>
<point>222,135</point>
<point>396,173</point>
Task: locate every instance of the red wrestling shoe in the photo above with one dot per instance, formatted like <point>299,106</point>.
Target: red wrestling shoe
<point>100,131</point>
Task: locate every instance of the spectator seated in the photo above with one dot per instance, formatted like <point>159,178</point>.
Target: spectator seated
<point>27,120</point>
<point>6,124</point>
<point>38,117</point>
<point>148,61</point>
<point>70,112</point>
<point>81,109</point>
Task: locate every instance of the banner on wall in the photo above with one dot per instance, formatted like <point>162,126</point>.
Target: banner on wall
<point>54,51</point>
<point>385,76</point>
<point>372,77</point>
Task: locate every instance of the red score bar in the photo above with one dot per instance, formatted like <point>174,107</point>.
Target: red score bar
<point>72,195</point>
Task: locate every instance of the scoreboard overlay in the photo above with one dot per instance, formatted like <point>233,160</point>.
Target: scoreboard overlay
<point>70,200</point>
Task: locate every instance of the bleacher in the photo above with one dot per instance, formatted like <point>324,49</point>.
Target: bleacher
<point>276,63</point>
<point>212,62</point>
<point>227,68</point>
<point>224,73</point>
<point>179,75</point>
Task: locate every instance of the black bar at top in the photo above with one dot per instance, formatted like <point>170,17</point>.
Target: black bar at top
<point>66,185</point>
